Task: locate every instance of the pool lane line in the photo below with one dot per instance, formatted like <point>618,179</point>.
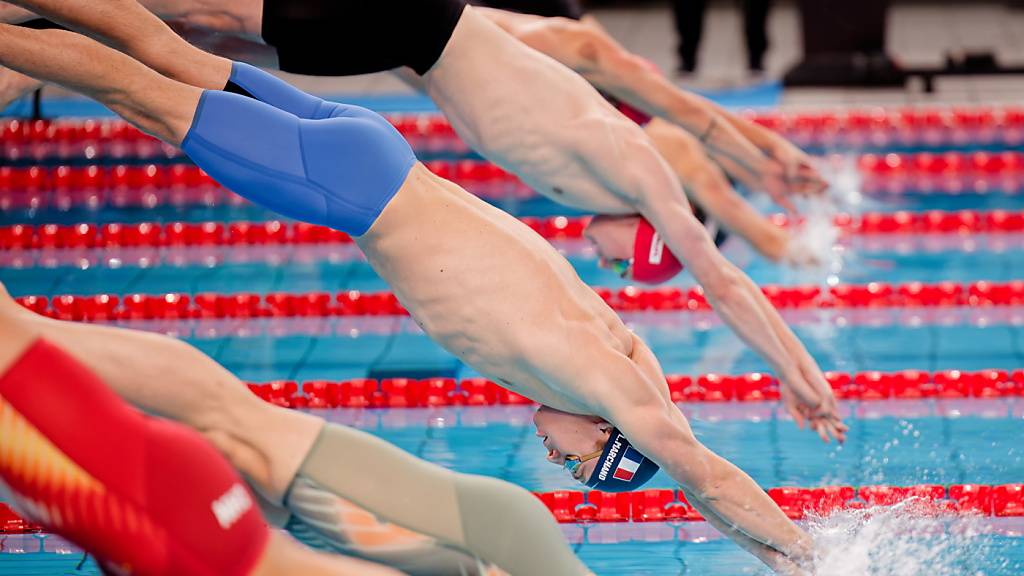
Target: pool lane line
<point>759,412</point>
<point>283,254</point>
<point>645,323</point>
<point>1003,503</point>
<point>831,130</point>
<point>873,296</point>
<point>86,235</point>
<point>134,178</point>
<point>37,546</point>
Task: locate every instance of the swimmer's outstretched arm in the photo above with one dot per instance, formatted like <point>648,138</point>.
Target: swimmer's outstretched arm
<point>648,366</point>
<point>630,393</point>
<point>708,187</point>
<point>646,182</point>
<point>798,168</point>
<point>744,308</point>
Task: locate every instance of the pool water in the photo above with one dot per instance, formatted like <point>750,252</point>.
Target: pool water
<point>896,442</point>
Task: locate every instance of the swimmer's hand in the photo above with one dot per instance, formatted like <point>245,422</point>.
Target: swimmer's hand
<point>808,398</point>
<point>790,172</point>
<point>800,253</point>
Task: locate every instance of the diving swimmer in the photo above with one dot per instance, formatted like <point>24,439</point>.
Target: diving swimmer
<point>430,240</point>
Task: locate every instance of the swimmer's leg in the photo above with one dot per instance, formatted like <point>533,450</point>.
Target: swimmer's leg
<point>153,103</point>
<point>129,27</point>
<point>167,377</point>
<point>251,81</point>
<point>494,519</point>
<point>338,525</point>
<point>135,491</point>
<point>266,443</point>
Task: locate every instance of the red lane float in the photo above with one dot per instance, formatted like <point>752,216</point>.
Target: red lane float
<point>570,506</point>
<point>274,232</point>
<point>146,186</point>
<point>754,387</point>
<point>12,523</point>
<point>573,506</point>
<point>875,127</point>
<point>629,299</point>
<point>181,185</point>
<point>949,172</point>
<point>911,126</point>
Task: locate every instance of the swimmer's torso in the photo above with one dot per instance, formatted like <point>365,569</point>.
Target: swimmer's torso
<point>534,121</point>
<point>489,289</point>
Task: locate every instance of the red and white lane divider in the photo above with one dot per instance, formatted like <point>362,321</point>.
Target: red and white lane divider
<point>908,126</point>
<point>570,506</point>
<point>555,228</point>
<point>176,306</point>
<point>877,127</point>
<point>180,185</point>
<point>943,173</point>
<point>711,388</point>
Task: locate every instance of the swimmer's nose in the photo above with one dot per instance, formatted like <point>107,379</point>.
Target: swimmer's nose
<point>603,262</point>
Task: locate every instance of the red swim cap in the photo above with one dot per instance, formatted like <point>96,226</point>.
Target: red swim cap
<point>653,262</point>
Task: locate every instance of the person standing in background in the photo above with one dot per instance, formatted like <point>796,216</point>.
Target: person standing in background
<point>689,20</point>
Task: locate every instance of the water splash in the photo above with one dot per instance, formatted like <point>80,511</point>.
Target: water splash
<point>901,540</point>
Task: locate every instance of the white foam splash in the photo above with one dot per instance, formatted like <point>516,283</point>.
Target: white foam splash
<point>900,540</point>
<point>813,249</point>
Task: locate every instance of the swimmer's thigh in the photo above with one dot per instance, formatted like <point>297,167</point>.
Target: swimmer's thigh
<point>337,172</point>
<point>498,521</point>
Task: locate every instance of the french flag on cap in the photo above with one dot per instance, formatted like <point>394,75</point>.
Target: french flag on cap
<point>628,466</point>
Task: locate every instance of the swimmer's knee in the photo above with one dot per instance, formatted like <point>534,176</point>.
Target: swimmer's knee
<point>245,458</point>
<point>499,497</point>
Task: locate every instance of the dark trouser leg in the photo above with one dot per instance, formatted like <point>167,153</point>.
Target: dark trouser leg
<point>755,29</point>
<point>689,18</point>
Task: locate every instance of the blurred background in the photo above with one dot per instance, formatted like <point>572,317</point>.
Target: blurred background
<point>765,53</point>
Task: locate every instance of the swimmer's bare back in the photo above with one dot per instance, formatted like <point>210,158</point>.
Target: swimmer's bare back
<point>489,289</point>
<point>537,119</point>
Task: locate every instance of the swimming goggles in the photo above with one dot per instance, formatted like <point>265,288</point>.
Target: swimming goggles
<point>621,266</point>
<point>572,463</point>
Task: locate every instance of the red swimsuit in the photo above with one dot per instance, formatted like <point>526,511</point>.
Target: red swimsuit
<point>144,496</point>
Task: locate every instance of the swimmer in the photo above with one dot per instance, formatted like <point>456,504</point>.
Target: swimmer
<point>675,120</point>
<point>524,319</point>
<point>269,445</point>
<point>516,107</point>
<point>143,496</point>
<point>560,30</point>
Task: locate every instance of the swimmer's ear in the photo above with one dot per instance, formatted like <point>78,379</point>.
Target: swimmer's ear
<point>605,427</point>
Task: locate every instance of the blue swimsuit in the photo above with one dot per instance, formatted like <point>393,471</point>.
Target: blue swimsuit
<point>303,157</point>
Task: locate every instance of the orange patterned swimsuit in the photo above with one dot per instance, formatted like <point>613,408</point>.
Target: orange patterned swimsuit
<point>143,495</point>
